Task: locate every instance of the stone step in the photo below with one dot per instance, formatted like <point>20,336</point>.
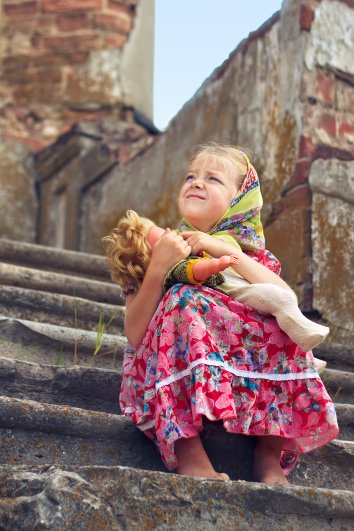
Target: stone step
<point>81,387</point>
<point>97,389</point>
<point>115,498</point>
<point>49,344</point>
<point>338,356</point>
<point>345,415</point>
<point>70,432</point>
<point>25,277</point>
<point>339,384</point>
<point>52,259</point>
<point>59,309</point>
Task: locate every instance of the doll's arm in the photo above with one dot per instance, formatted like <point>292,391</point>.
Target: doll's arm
<point>204,268</point>
<point>247,267</point>
<point>197,270</point>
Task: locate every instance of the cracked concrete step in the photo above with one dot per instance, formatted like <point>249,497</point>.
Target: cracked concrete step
<point>73,435</point>
<point>58,309</point>
<point>53,344</point>
<point>345,415</point>
<point>338,356</point>
<point>115,498</point>
<point>80,387</point>
<point>339,384</point>
<point>25,277</point>
<point>49,344</point>
<point>52,259</point>
<point>97,389</point>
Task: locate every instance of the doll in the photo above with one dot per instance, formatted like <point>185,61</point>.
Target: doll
<point>128,249</point>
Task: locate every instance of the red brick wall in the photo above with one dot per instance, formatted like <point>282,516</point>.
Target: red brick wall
<point>45,40</point>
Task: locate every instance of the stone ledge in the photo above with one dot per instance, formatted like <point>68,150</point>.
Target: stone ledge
<point>25,277</point>
<point>41,342</point>
<point>125,498</point>
<point>86,386</point>
<point>52,259</point>
<point>339,355</point>
<point>50,418</point>
<point>339,384</point>
<point>62,310</point>
<point>23,424</point>
<point>79,387</point>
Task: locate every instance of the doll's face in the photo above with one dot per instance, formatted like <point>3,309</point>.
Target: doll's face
<point>153,235</point>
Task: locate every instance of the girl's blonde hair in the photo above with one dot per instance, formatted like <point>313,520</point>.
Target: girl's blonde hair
<point>231,153</point>
<point>128,252</point>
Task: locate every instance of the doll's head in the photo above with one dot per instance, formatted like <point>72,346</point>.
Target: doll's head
<point>128,250</point>
<point>213,180</point>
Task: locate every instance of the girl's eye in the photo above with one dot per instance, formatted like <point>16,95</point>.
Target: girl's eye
<point>189,177</point>
<point>213,178</point>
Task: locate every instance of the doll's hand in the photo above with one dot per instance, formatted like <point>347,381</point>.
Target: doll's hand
<point>200,241</point>
<point>169,249</point>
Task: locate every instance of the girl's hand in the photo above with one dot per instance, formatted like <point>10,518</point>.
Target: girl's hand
<point>170,249</point>
<point>200,241</point>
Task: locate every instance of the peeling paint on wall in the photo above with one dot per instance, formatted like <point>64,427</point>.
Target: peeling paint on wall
<point>331,38</point>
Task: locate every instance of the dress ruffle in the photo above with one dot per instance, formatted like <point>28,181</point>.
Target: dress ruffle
<point>206,355</point>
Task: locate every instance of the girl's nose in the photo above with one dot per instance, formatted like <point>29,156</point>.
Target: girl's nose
<point>197,183</point>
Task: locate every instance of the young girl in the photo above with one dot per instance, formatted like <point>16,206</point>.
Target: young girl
<point>128,252</point>
<point>197,352</point>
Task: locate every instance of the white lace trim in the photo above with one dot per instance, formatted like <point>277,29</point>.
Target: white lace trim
<point>246,374</point>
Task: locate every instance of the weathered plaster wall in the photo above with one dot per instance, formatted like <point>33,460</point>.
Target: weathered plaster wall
<point>248,101</point>
<point>328,132</point>
<point>332,183</point>
<point>62,62</point>
<point>68,168</point>
<point>69,53</point>
<point>285,94</point>
<point>138,59</point>
<point>218,111</point>
<point>18,200</point>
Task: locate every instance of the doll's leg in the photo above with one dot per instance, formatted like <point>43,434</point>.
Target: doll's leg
<point>282,303</point>
<point>193,460</point>
<point>202,269</point>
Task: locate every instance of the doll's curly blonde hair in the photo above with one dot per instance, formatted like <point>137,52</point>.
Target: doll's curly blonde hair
<point>128,252</point>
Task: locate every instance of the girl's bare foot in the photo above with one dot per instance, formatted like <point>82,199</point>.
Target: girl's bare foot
<point>194,461</point>
<point>266,468</point>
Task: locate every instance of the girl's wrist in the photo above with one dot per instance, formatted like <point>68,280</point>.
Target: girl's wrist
<point>223,248</point>
<point>155,273</point>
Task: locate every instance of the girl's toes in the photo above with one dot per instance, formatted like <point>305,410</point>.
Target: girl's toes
<point>222,476</point>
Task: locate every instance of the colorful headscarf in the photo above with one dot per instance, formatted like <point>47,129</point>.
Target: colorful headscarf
<point>242,220</point>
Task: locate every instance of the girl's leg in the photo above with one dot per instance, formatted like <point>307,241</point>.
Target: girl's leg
<point>266,468</point>
<point>194,461</point>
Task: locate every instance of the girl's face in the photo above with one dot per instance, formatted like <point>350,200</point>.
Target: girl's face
<point>207,191</point>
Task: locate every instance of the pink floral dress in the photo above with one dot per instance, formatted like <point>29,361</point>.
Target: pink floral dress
<point>206,355</point>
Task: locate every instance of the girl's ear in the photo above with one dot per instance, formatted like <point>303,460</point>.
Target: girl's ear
<point>153,235</point>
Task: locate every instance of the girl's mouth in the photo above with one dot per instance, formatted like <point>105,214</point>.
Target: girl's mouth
<point>194,196</point>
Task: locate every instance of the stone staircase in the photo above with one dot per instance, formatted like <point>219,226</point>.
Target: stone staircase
<point>68,458</point>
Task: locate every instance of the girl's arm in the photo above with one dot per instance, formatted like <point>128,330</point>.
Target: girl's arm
<point>141,307</point>
<point>246,267</point>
